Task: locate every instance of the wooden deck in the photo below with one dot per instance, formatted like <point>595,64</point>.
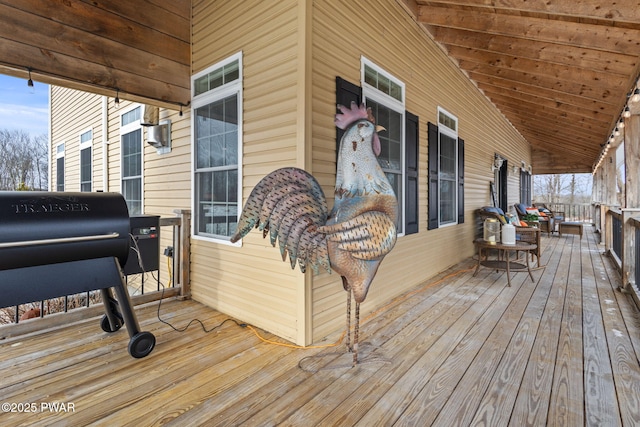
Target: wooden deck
<point>459,350</point>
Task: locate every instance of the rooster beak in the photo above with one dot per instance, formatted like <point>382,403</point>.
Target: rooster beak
<point>380,128</point>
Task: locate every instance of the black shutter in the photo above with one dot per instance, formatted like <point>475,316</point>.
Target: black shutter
<point>433,176</point>
<point>346,92</point>
<point>411,173</point>
<point>460,181</point>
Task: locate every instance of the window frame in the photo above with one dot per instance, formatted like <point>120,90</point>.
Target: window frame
<point>60,154</point>
<point>86,145</point>
<point>126,129</point>
<point>444,129</point>
<point>398,106</point>
<point>219,93</point>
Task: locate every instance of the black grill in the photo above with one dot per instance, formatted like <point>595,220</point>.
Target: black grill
<point>56,244</point>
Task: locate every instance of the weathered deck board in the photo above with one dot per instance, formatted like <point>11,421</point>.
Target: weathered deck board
<point>459,350</point>
<point>599,391</point>
<point>567,393</point>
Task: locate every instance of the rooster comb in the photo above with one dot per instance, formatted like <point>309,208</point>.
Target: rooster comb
<point>347,116</point>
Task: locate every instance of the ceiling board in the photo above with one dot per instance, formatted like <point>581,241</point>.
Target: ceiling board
<point>559,71</point>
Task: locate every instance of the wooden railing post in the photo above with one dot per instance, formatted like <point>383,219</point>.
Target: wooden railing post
<point>182,252</point>
<point>628,272</point>
<point>607,229</point>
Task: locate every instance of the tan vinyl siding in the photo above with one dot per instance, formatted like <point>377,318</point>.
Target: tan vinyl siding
<point>384,33</point>
<point>251,282</point>
<point>72,113</point>
<point>167,177</point>
<point>292,51</point>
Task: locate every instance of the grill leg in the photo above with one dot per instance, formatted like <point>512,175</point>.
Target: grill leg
<point>112,320</point>
<point>141,343</point>
<point>124,301</point>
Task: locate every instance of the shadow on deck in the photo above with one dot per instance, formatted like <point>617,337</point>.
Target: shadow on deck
<point>459,350</point>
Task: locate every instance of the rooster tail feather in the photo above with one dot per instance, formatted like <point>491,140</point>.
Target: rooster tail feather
<point>289,205</point>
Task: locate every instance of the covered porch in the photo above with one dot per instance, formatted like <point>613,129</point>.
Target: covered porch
<point>457,350</point>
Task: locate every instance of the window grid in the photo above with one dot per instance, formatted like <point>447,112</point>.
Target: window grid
<point>86,139</point>
<point>385,95</point>
<point>216,122</point>
<point>447,168</point>
<point>131,163</point>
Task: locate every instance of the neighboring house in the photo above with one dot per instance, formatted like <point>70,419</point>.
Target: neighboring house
<point>266,77</point>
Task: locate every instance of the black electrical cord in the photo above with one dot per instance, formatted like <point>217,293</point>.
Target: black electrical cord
<point>136,249</point>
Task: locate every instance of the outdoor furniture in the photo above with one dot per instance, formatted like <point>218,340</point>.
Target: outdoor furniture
<point>547,223</point>
<point>568,227</point>
<point>558,216</point>
<point>504,254</point>
<point>531,235</point>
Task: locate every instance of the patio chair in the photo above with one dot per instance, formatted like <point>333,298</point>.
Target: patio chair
<point>547,222</point>
<point>530,235</point>
<point>558,216</point>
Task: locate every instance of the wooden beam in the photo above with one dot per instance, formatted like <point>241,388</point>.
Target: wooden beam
<point>101,46</point>
<point>600,79</point>
<point>608,38</point>
<point>91,77</point>
<point>525,89</point>
<point>554,112</point>
<point>579,56</point>
<point>575,88</point>
<point>622,13</point>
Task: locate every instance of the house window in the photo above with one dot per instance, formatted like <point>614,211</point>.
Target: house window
<point>86,140</point>
<point>525,187</point>
<point>131,160</point>
<point>60,167</point>
<point>217,140</point>
<point>446,172</point>
<point>384,94</point>
<point>447,168</point>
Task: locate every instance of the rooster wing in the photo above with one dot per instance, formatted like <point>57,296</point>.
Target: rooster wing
<point>369,236</point>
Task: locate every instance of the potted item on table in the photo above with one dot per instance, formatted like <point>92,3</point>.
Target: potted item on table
<point>532,220</point>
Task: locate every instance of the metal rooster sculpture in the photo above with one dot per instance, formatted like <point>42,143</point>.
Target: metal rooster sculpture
<point>290,206</point>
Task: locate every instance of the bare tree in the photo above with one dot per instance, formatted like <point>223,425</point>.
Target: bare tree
<point>23,161</point>
<point>568,188</point>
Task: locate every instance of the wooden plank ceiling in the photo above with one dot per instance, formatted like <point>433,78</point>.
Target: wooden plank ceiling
<point>559,70</point>
<point>138,49</point>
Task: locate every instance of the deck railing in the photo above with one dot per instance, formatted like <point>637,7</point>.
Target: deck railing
<point>579,212</point>
<point>176,284</point>
<point>621,234</point>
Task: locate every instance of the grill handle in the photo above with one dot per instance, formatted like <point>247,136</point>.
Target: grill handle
<point>59,240</point>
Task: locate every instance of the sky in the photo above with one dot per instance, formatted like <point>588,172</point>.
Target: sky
<point>22,107</point>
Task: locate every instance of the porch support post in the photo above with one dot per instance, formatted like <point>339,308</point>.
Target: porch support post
<point>631,199</point>
<point>631,160</point>
<point>628,256</point>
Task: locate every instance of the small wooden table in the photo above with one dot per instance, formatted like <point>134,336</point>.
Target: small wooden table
<point>504,263</point>
<point>568,227</point>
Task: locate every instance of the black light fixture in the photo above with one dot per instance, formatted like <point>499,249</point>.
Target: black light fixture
<point>627,112</point>
<point>636,95</point>
<point>180,110</point>
<point>117,100</point>
<point>30,81</point>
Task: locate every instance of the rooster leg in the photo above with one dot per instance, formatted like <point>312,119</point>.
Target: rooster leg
<point>349,319</point>
<point>356,330</point>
